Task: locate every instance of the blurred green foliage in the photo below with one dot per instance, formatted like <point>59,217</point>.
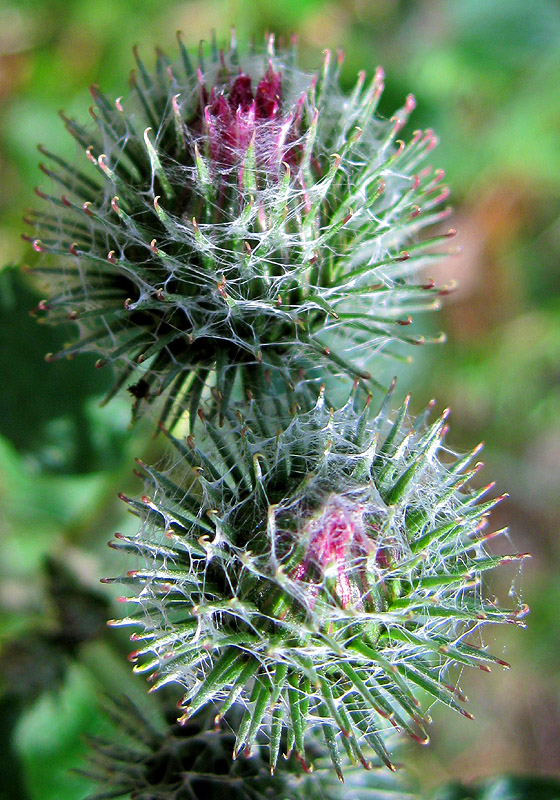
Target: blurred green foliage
<point>503,788</point>
<point>485,73</point>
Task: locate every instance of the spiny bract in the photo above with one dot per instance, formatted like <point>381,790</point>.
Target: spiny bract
<point>145,760</point>
<point>235,215</point>
<point>319,567</point>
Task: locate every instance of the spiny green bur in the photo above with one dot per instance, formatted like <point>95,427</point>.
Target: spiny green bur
<point>320,571</point>
<point>235,215</point>
<point>193,761</point>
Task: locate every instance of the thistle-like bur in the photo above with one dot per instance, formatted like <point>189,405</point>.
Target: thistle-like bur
<point>324,575</point>
<point>143,760</point>
<point>149,761</point>
<point>235,216</point>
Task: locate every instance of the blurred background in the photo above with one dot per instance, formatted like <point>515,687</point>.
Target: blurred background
<point>485,75</point>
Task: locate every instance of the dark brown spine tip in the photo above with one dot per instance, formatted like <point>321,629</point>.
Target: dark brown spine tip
<point>422,739</point>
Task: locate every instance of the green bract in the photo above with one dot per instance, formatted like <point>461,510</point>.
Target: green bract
<point>322,568</point>
<point>235,216</point>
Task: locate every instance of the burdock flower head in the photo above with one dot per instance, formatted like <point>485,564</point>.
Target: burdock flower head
<point>156,759</point>
<point>325,574</point>
<point>235,218</point>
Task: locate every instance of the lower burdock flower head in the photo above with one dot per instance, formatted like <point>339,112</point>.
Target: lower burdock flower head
<point>322,568</point>
<point>237,215</point>
<point>148,758</point>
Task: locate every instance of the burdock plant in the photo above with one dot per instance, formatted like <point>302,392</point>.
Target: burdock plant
<point>243,238</point>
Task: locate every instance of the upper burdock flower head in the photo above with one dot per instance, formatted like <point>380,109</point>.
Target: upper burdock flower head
<point>237,218</point>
